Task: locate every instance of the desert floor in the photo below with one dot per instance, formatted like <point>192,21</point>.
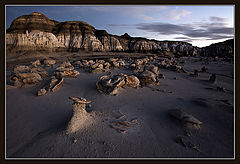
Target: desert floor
<point>35,125</point>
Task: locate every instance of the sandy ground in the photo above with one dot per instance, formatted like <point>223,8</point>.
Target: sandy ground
<point>35,126</point>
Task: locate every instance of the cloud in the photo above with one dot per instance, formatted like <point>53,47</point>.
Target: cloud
<point>176,14</point>
<point>194,31</point>
<point>218,19</point>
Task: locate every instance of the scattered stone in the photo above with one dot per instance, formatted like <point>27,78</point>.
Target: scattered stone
<point>185,117</point>
<point>40,71</point>
<point>160,90</point>
<point>196,74</point>
<point>124,123</point>
<point>75,141</point>
<point>49,62</point>
<point>188,133</point>
<point>66,70</point>
<point>212,78</point>
<point>78,64</point>
<point>161,76</point>
<point>180,140</point>
<point>10,87</point>
<point>187,144</point>
<point>148,78</point>
<point>120,117</point>
<point>132,81</point>
<point>23,75</point>
<point>36,63</point>
<point>16,81</point>
<point>152,68</point>
<point>42,92</point>
<point>134,120</point>
<point>29,78</point>
<point>204,69</point>
<point>21,69</point>
<point>53,85</point>
<point>58,85</point>
<point>118,129</point>
<point>221,89</point>
<point>113,83</point>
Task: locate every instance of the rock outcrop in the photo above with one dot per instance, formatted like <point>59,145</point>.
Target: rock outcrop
<point>222,49</point>
<point>24,75</point>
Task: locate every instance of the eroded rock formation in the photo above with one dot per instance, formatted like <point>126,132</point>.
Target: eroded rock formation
<point>113,83</point>
<point>80,117</point>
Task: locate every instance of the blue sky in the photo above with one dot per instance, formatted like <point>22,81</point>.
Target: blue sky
<point>198,25</point>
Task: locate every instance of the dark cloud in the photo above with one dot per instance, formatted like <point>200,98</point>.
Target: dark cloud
<point>162,28</point>
<point>218,19</point>
<point>207,30</point>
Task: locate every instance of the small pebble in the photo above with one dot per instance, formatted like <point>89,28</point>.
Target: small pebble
<point>75,141</point>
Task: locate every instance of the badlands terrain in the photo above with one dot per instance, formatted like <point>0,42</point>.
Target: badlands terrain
<point>76,92</point>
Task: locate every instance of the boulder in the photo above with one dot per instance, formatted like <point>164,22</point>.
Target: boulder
<point>148,78</point>
<point>68,73</point>
<point>16,81</point>
<point>36,63</point>
<point>49,62</point>
<point>66,70</point>
<point>30,78</point>
<point>53,85</point>
<point>40,71</point>
<point>132,81</point>
<point>213,78</point>
<point>113,83</point>
<point>41,92</point>
<point>21,69</point>
<point>78,64</point>
<point>107,65</point>
<point>26,78</point>
<point>152,68</point>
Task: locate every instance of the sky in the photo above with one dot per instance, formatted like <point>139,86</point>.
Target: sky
<point>198,25</point>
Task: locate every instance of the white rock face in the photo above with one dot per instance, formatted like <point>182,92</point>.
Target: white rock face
<point>34,39</point>
<point>110,43</point>
<point>49,40</point>
<point>91,43</point>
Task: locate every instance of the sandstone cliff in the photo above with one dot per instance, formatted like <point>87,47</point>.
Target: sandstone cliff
<point>36,31</point>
